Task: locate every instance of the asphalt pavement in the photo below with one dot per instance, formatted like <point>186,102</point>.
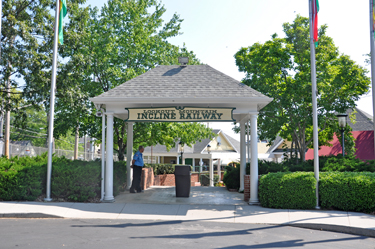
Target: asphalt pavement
<point>103,233</point>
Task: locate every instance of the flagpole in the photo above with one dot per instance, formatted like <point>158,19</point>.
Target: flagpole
<point>372,64</point>
<point>314,105</point>
<point>52,104</point>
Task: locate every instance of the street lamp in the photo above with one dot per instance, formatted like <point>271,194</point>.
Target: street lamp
<point>181,150</point>
<point>342,123</point>
<point>211,167</point>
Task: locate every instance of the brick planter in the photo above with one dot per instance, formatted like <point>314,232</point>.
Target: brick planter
<point>147,179</point>
<point>246,191</point>
<point>169,180</point>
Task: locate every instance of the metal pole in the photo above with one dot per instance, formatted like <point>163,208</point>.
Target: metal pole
<point>372,62</point>
<point>1,15</point>
<point>102,151</point>
<point>52,104</point>
<point>2,113</point>
<point>314,104</point>
<point>343,142</point>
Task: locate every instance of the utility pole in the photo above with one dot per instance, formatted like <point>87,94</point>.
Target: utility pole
<point>75,156</point>
<point>372,46</point>
<point>7,121</point>
<point>313,9</point>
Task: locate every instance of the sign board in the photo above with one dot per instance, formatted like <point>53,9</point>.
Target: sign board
<point>180,114</point>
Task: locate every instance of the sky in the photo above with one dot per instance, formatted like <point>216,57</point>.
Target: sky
<point>216,29</point>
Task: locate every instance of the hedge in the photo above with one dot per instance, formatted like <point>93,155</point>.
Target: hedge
<point>231,177</point>
<point>288,190</point>
<point>25,178</point>
<point>348,191</point>
<point>162,169</point>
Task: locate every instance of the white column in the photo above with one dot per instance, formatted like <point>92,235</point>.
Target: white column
<point>102,151</point>
<point>193,164</point>
<point>211,168</point>
<point>200,165</point>
<point>108,195</point>
<point>254,160</point>
<point>178,159</point>
<point>242,153</point>
<point>218,168</point>
<point>129,152</point>
<point>248,143</point>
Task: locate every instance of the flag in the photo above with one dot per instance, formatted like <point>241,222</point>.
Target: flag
<point>315,10</point>
<point>62,14</point>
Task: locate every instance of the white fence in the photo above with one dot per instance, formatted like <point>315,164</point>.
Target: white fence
<point>28,150</point>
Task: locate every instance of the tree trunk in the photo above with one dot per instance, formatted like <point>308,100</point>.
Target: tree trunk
<point>120,142</point>
<point>291,148</point>
<point>302,152</point>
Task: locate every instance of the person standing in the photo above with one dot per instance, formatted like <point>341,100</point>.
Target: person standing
<point>137,165</point>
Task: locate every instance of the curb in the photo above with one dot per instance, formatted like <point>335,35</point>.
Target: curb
<point>335,228</point>
<point>30,216</point>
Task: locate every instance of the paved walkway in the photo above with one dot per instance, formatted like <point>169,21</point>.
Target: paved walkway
<point>205,204</point>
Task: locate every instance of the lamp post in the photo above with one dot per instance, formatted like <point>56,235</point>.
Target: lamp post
<point>181,150</point>
<point>211,166</point>
<point>342,123</point>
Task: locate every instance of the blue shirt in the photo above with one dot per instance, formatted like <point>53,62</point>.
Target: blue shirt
<point>138,157</point>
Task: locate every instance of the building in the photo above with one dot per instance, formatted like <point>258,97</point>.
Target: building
<point>363,132</point>
<point>224,149</point>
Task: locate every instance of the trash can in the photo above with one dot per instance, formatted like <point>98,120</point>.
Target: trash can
<point>182,180</point>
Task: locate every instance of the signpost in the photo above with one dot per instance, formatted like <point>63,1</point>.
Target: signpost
<point>180,114</point>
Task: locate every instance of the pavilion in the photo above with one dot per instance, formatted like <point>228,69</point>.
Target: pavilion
<point>182,93</point>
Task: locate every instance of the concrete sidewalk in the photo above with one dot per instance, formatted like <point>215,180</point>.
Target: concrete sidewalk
<point>234,211</point>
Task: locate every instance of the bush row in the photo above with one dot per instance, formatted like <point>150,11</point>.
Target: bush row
<point>162,169</point>
<point>25,178</point>
<point>348,191</point>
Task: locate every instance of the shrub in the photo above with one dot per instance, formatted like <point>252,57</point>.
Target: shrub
<point>288,190</point>
<point>349,191</point>
<point>25,178</point>
<point>161,169</point>
<point>22,178</point>
<point>231,177</point>
<point>76,180</point>
<point>204,179</point>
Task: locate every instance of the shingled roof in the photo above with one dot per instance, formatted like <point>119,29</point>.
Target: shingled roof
<point>363,121</point>
<point>192,81</point>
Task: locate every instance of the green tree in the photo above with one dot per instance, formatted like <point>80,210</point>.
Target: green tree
<point>107,48</point>
<point>26,53</point>
<point>280,68</point>
<point>35,130</point>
